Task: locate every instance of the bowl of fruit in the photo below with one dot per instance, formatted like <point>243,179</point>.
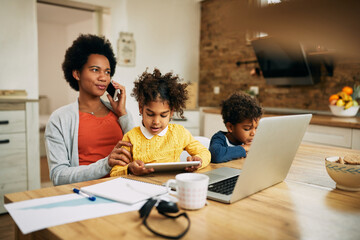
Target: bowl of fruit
<point>344,103</point>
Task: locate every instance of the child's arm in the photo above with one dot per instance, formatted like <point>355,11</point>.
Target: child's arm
<point>246,147</point>
<point>221,152</point>
<point>197,151</point>
<point>194,168</point>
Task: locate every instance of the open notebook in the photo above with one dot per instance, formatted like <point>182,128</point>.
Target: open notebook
<point>125,190</point>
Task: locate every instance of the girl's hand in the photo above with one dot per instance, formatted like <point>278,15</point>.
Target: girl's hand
<point>118,106</point>
<point>193,168</point>
<point>137,168</point>
<point>120,156</point>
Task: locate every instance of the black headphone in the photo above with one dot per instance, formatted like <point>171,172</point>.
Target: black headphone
<point>163,208</point>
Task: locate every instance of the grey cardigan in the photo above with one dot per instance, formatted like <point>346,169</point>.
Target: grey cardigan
<point>61,141</point>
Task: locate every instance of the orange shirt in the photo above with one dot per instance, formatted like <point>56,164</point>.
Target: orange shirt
<point>97,136</point>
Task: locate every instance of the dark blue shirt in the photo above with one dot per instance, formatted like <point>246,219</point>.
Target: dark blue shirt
<point>221,151</point>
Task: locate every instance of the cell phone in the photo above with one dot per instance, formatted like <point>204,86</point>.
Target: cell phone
<point>110,89</point>
<point>113,92</point>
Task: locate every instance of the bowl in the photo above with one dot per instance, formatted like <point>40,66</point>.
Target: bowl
<point>341,112</point>
<point>346,176</point>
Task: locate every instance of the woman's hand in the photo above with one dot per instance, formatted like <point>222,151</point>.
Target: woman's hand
<point>137,167</point>
<point>118,106</point>
<point>193,168</point>
<point>119,155</point>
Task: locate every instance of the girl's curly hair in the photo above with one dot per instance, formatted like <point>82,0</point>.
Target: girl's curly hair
<point>154,86</point>
<point>239,107</point>
<point>77,55</point>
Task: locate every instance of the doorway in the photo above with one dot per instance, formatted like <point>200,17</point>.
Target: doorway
<point>58,26</point>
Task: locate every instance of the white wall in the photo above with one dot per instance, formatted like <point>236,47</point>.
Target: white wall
<point>167,35</point>
<point>18,46</point>
<point>52,43</point>
<point>54,38</point>
<point>166,32</point>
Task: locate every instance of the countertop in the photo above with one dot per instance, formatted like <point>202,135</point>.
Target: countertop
<point>317,119</point>
<point>16,100</point>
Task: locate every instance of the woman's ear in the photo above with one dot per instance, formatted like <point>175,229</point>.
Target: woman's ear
<point>229,127</point>
<point>76,74</point>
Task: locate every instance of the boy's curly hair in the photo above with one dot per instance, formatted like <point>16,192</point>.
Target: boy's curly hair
<point>154,86</point>
<point>77,55</point>
<point>239,107</point>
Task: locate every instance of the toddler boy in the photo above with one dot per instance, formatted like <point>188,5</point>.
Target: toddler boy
<point>241,115</point>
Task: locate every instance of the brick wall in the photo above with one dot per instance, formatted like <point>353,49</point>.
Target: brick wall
<point>221,48</point>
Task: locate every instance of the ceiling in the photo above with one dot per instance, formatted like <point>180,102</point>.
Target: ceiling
<point>61,15</point>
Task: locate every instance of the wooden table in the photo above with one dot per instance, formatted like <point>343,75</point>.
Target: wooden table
<point>305,206</point>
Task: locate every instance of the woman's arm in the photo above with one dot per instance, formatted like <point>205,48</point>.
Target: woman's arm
<point>62,154</point>
<point>61,141</point>
<point>118,170</point>
<point>126,122</point>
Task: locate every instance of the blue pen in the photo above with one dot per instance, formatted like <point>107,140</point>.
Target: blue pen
<point>78,191</point>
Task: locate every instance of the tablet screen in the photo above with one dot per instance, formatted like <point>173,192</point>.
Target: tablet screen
<point>171,166</point>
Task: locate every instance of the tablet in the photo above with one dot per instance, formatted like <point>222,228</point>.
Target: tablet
<point>171,166</point>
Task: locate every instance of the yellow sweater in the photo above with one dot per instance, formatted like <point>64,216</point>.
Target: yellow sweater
<point>165,148</point>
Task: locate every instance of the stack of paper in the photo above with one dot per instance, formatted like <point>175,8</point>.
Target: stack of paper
<point>125,190</point>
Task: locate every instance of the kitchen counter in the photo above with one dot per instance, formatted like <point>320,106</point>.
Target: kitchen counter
<point>19,148</point>
<point>324,120</point>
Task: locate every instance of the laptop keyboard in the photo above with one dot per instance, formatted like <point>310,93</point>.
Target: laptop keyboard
<point>225,186</point>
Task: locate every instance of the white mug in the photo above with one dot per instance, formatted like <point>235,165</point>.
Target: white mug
<point>191,189</point>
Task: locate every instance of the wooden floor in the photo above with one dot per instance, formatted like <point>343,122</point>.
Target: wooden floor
<point>7,227</point>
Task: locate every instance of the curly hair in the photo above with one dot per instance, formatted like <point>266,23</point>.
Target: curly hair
<point>153,86</point>
<point>77,55</point>
<point>239,107</point>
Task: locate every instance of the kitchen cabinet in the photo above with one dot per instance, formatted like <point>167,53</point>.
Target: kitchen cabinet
<point>333,136</point>
<point>212,124</point>
<point>355,139</point>
<point>191,121</point>
<point>19,147</point>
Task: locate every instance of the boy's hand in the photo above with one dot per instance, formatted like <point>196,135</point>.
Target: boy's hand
<point>137,167</point>
<point>120,156</point>
<point>193,168</point>
<point>246,147</point>
<point>118,106</point>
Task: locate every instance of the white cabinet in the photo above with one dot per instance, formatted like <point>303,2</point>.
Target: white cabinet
<point>19,148</point>
<point>356,139</point>
<point>190,122</point>
<point>212,124</point>
<point>334,136</point>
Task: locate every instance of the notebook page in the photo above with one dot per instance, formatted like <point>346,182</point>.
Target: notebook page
<point>125,190</point>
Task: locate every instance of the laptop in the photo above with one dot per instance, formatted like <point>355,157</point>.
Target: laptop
<point>272,151</point>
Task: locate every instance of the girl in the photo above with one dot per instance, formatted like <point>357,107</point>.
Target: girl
<point>159,96</point>
<point>83,138</point>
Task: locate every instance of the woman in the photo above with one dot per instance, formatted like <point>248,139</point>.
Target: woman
<point>83,138</point>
